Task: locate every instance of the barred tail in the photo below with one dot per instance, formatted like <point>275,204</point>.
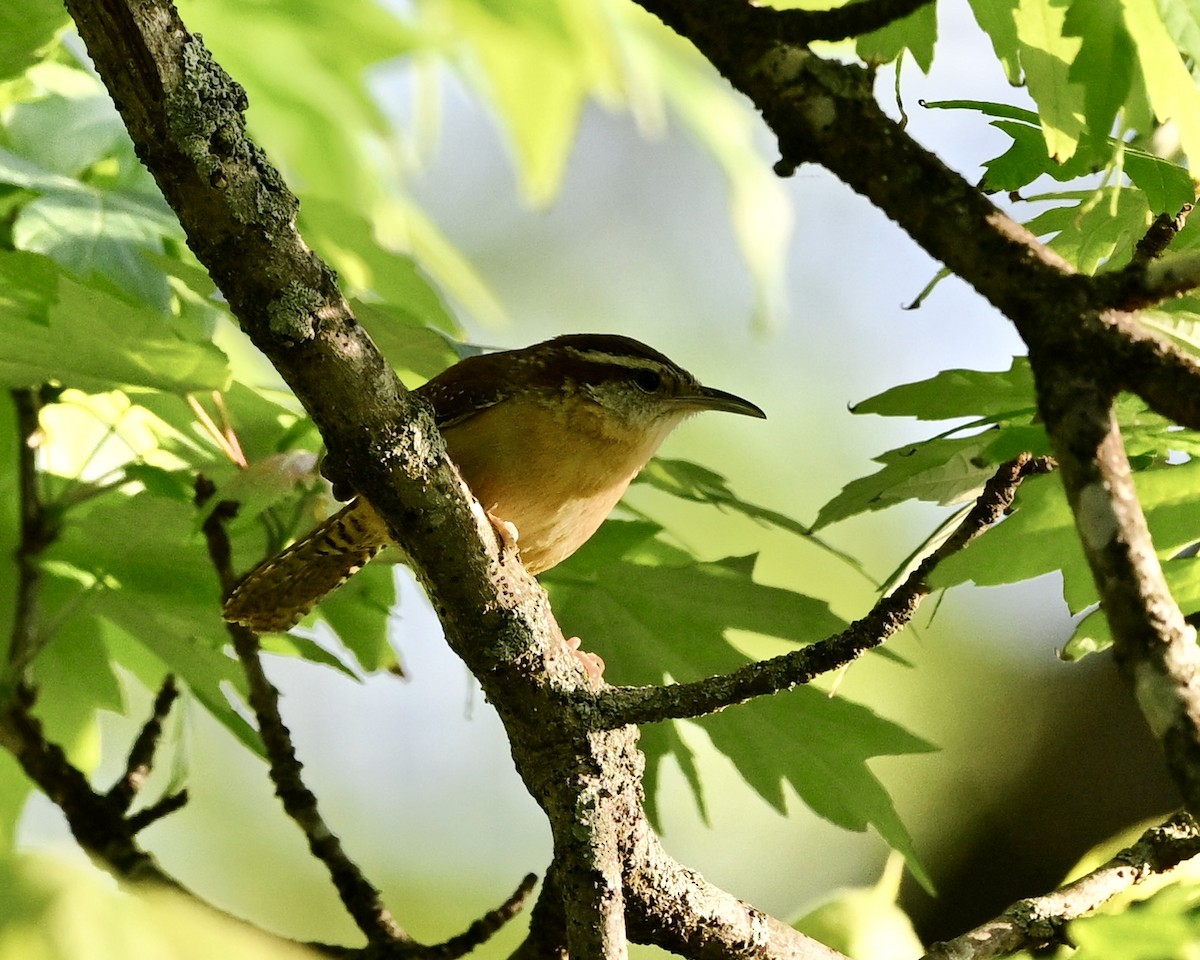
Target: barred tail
<point>277,593</point>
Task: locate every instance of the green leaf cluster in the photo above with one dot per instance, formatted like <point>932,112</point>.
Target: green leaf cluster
<point>145,385</point>
<point>1116,114</point>
<point>156,410</point>
<point>999,421</point>
<point>149,386</point>
<point>1091,65</point>
<point>657,614</point>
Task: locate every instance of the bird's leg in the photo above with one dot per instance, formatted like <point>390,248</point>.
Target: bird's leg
<point>506,530</point>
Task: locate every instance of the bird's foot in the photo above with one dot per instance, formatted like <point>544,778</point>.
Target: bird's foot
<point>592,663</point>
<point>506,531</point>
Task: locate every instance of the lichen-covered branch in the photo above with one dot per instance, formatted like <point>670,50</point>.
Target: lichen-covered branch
<point>1039,922</point>
<point>1153,645</point>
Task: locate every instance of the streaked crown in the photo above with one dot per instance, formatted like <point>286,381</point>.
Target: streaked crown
<point>633,381</point>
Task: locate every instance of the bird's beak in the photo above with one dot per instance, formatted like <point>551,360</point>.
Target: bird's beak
<point>710,398</point>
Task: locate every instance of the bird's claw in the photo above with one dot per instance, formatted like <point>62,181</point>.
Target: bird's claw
<point>592,663</point>
<point>506,532</point>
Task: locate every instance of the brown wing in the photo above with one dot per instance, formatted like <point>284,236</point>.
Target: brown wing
<point>470,386</point>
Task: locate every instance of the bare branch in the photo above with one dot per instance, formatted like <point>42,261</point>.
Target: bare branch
<point>150,815</point>
<point>616,706</point>
<point>825,112</point>
<point>1163,230</point>
<point>477,934</point>
<point>141,754</point>
<point>1148,364</point>
<point>360,898</point>
<point>1144,282</point>
<point>37,532</point>
<point>678,910</point>
<point>1038,922</point>
<point>97,825</point>
<point>486,926</point>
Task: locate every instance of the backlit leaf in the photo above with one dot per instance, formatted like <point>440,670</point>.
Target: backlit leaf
<point>653,620</point>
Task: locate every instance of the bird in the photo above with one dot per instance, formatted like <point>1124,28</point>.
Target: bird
<point>547,437</point>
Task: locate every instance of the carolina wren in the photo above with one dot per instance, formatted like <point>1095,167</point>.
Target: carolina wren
<point>547,437</point>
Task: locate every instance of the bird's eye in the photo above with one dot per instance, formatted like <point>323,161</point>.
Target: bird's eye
<point>648,380</point>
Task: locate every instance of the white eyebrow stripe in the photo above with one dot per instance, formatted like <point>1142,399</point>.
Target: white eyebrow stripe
<point>623,360</point>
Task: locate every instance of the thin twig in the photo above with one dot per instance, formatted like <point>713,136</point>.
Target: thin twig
<point>359,896</point>
<point>37,533</point>
<point>486,926</point>
<point>141,754</point>
<point>1038,922</point>
<point>1163,230</point>
<point>474,936</point>
<point>386,938</point>
<point>157,811</point>
<point>617,706</point>
<point>97,825</point>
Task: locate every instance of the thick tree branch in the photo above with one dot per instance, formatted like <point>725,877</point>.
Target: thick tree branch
<point>185,117</point>
<point>1145,282</point>
<point>615,706</point>
<point>678,910</point>
<point>1141,361</point>
<point>825,112</point>
<point>1039,922</point>
<point>853,20</point>
<point>1153,645</point>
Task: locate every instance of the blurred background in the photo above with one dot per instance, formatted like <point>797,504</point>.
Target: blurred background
<point>1038,760</point>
